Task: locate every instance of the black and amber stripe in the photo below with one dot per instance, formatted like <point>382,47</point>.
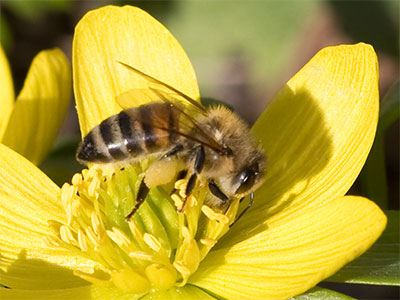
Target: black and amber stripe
<point>132,133</point>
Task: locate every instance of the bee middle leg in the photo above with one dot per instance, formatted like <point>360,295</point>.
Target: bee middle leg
<point>197,168</point>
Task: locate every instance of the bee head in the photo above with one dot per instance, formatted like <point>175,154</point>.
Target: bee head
<point>250,176</point>
<point>245,177</point>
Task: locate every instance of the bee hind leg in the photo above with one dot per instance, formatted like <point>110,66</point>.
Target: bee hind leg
<point>140,197</point>
<point>178,148</point>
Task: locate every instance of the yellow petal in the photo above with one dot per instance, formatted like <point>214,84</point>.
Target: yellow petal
<point>318,131</point>
<point>27,200</point>
<point>293,254</point>
<point>80,293</point>
<point>41,106</point>
<point>317,134</point>
<point>54,294</point>
<point>7,91</point>
<point>188,292</point>
<point>129,35</point>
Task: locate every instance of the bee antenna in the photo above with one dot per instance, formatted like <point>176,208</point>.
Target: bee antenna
<point>247,207</point>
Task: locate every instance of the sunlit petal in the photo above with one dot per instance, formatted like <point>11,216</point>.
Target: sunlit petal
<point>184,293</point>
<point>317,134</point>
<point>319,129</point>
<point>41,106</point>
<point>80,293</point>
<point>7,91</point>
<point>54,294</point>
<point>289,256</point>
<point>129,35</point>
<point>27,200</point>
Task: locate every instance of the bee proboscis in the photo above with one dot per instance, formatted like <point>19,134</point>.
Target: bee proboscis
<point>210,144</point>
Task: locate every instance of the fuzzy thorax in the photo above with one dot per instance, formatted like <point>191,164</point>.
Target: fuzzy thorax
<point>157,249</point>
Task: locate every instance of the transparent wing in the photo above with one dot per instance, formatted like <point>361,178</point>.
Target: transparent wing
<point>159,85</point>
<point>182,105</point>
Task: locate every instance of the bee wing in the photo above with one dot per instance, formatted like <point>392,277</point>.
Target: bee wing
<point>136,97</point>
<point>166,86</point>
<point>159,118</point>
<point>160,91</point>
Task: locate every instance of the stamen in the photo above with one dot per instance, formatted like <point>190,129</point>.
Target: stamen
<point>50,241</point>
<point>130,281</point>
<point>158,248</point>
<point>77,179</point>
<point>97,223</point>
<point>118,237</point>
<point>92,237</point>
<point>212,215</point>
<point>208,242</point>
<point>142,255</point>
<point>177,200</point>
<point>66,235</point>
<point>82,241</point>
<point>97,277</point>
<point>152,242</point>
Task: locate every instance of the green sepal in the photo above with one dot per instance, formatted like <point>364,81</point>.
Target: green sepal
<point>318,293</point>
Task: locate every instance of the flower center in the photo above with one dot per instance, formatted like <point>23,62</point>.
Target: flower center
<point>159,247</point>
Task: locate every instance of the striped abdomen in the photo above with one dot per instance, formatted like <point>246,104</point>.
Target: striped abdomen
<point>132,133</point>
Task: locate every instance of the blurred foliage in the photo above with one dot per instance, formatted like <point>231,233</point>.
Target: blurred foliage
<point>31,10</point>
<point>60,165</point>
<point>390,109</point>
<point>373,177</point>
<point>318,293</point>
<point>207,101</point>
<point>381,16</point>
<point>263,33</point>
<point>5,34</point>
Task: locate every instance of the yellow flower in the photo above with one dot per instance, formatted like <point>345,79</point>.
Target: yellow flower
<point>317,134</point>
<point>30,124</point>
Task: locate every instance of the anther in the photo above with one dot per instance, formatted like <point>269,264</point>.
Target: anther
<point>152,242</point>
<point>82,241</point>
<point>212,215</point>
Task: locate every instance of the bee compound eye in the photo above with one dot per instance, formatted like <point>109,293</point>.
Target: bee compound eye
<point>247,179</point>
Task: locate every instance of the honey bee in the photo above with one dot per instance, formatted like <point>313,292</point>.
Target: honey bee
<point>210,145</point>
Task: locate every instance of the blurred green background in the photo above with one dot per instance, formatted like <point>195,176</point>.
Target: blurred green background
<point>243,52</point>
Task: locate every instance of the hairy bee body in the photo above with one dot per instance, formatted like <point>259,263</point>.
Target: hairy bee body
<point>131,134</point>
<point>210,145</point>
<point>155,129</point>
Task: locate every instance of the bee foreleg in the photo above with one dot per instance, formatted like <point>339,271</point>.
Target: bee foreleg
<point>215,190</point>
<point>247,207</point>
<point>140,197</point>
